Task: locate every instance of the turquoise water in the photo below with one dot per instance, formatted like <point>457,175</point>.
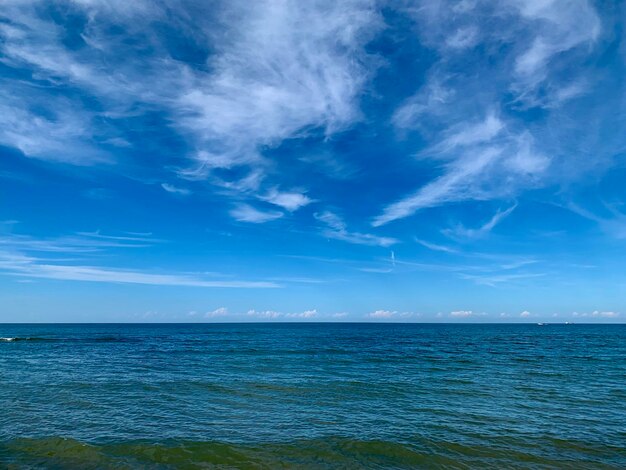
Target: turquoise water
<point>313,396</point>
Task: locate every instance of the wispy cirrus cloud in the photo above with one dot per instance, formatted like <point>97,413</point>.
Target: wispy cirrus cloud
<point>65,134</point>
<point>446,110</point>
<point>495,279</point>
<point>288,200</point>
<point>281,69</point>
<point>263,73</point>
<point>479,159</point>
<point>557,28</point>
<point>473,126</point>
<point>436,247</point>
<point>65,258</point>
<point>462,232</point>
<point>170,188</point>
<point>19,265</point>
<point>61,126</point>
<point>80,242</point>
<point>336,228</point>
<point>612,221</point>
<point>247,213</point>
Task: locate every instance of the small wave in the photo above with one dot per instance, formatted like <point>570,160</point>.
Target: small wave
<point>96,339</point>
<point>11,339</point>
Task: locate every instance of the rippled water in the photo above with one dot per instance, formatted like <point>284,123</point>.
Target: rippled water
<point>313,396</point>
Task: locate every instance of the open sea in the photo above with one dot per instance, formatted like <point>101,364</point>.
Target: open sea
<point>270,396</point>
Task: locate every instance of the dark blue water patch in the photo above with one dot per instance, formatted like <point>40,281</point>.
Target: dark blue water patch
<point>516,396</point>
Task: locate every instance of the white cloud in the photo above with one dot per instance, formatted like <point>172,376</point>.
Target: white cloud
<point>525,313</point>
<point>377,270</point>
<point>436,247</point>
<point>25,266</point>
<point>498,155</point>
<point>64,133</point>
<point>280,70</point>
<point>493,280</point>
<point>81,242</point>
<point>432,98</point>
<point>218,312</point>
<point>533,59</point>
<point>247,213</point>
<point>558,27</point>
<point>273,314</point>
<point>175,190</point>
<point>333,221</point>
<point>613,222</point>
<point>535,32</point>
<point>290,201</point>
<point>305,314</point>
<point>609,314</point>
<point>20,256</point>
<point>273,71</point>
<point>461,232</point>
<point>388,314</point>
<point>456,185</point>
<point>463,38</point>
<point>265,314</point>
<point>461,313</point>
<point>382,314</point>
<point>53,126</point>
<point>337,229</point>
<point>483,162</point>
<point>470,134</point>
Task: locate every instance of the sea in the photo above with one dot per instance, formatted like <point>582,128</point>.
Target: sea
<point>312,396</point>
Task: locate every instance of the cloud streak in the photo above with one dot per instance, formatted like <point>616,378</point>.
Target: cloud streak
<point>497,155</point>
<point>272,71</point>
<point>337,229</point>
<point>461,232</point>
<point>29,267</point>
<point>170,188</point>
<point>81,242</point>
<point>290,201</point>
<point>247,213</point>
<point>482,162</point>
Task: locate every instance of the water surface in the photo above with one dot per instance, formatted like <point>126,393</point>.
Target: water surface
<point>313,396</point>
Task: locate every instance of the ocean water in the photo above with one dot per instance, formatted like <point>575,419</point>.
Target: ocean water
<point>312,396</point>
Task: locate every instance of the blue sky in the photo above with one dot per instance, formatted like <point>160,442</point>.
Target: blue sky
<point>312,161</point>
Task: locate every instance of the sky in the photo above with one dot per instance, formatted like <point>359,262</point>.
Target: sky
<point>279,160</point>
